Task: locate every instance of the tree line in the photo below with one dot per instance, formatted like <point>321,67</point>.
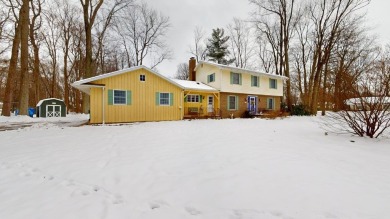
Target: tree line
<point>45,45</point>
<point>323,47</point>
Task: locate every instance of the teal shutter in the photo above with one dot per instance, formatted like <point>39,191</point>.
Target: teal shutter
<point>110,97</point>
<point>171,99</point>
<point>240,79</point>
<point>200,98</point>
<point>276,84</point>
<point>236,102</point>
<point>214,76</point>
<point>258,81</point>
<point>185,99</point>
<point>128,96</point>
<point>228,103</point>
<point>252,81</point>
<point>270,83</point>
<point>157,98</point>
<point>208,78</point>
<point>231,77</point>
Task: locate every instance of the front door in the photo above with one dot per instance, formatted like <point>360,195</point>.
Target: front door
<point>252,104</point>
<point>210,104</point>
<point>53,111</point>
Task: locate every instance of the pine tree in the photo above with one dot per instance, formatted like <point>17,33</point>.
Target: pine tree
<point>217,48</point>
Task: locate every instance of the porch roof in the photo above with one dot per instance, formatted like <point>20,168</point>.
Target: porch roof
<point>194,85</point>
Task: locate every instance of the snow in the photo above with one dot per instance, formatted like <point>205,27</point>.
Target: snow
<point>15,122</point>
<point>372,100</point>
<point>41,101</point>
<point>229,168</point>
<point>194,85</point>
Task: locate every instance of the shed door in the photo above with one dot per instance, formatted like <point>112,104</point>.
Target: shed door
<point>53,111</point>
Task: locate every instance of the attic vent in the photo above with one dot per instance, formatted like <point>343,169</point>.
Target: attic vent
<point>197,82</point>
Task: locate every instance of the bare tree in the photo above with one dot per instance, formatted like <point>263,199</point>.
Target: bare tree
<point>52,39</point>
<point>4,19</point>
<point>12,71</point>
<point>24,71</point>
<point>104,25</point>
<point>198,49</point>
<point>328,18</point>
<point>35,25</point>
<point>90,10</point>
<point>142,30</point>
<point>240,40</point>
<point>286,14</point>
<point>182,71</point>
<point>369,112</point>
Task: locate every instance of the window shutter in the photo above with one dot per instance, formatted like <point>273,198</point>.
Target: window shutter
<point>240,79</point>
<point>231,77</point>
<point>258,81</point>
<point>208,78</point>
<point>276,84</point>
<point>270,83</point>
<point>252,80</point>
<point>185,99</point>
<point>157,98</point>
<point>110,97</point>
<point>228,103</point>
<point>128,96</point>
<point>200,98</point>
<point>171,99</point>
<point>236,102</point>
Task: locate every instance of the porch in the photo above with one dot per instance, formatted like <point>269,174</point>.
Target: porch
<point>201,105</point>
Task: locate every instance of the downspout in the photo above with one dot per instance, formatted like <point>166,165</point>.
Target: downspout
<point>181,105</point>
<point>103,106</point>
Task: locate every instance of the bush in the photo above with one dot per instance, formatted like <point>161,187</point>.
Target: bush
<point>299,110</point>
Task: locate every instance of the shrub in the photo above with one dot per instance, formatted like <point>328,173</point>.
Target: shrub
<point>299,110</point>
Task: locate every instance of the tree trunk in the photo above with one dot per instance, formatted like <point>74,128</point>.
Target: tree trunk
<point>24,79</point>
<point>9,89</point>
<point>66,75</point>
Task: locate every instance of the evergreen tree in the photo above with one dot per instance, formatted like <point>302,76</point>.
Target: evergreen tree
<point>217,48</point>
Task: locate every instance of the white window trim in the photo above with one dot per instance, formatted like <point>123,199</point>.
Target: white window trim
<point>144,78</point>
<point>276,84</point>
<point>113,98</point>
<point>238,74</point>
<point>212,75</point>
<point>169,99</point>
<point>257,81</point>
<point>195,98</point>
<point>235,103</point>
<point>273,103</point>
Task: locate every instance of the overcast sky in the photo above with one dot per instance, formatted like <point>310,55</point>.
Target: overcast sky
<point>185,15</point>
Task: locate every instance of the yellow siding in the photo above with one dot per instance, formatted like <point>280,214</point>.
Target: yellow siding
<point>201,105</point>
<point>143,107</point>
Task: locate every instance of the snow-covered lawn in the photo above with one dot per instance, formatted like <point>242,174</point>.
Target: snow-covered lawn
<point>241,168</point>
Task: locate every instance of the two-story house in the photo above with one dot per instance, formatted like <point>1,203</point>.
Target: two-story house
<point>240,89</point>
<point>141,94</point>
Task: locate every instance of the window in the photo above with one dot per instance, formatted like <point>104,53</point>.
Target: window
<point>211,78</point>
<point>119,97</point>
<point>142,77</point>
<point>255,81</point>
<point>271,103</point>
<point>164,99</point>
<point>232,102</point>
<point>273,83</point>
<point>193,98</point>
<point>235,78</point>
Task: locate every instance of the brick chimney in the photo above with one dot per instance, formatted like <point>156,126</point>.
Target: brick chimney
<point>191,68</point>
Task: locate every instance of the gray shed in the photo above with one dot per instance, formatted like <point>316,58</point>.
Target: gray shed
<point>51,107</point>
